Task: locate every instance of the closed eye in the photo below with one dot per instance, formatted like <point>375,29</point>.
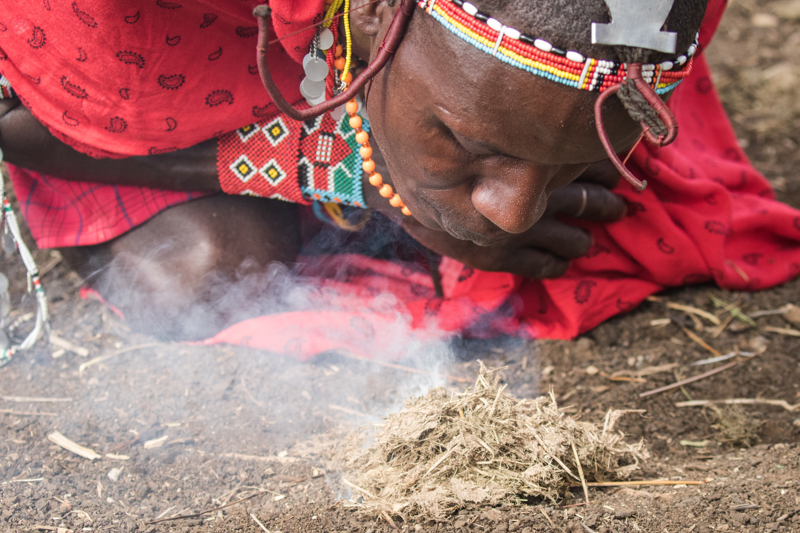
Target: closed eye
<point>478,148</point>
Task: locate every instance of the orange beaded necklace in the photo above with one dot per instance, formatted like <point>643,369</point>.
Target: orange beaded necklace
<point>368,165</point>
<point>362,138</point>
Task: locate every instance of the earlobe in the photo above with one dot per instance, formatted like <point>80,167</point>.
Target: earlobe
<point>369,21</point>
<point>365,16</point>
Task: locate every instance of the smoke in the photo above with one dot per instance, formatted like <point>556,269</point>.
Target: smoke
<point>154,301</point>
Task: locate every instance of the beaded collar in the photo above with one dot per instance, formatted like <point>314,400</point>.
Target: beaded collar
<point>544,59</point>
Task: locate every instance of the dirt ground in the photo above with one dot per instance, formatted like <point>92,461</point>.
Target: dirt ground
<point>184,429</point>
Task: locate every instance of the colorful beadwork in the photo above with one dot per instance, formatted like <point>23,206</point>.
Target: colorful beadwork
<point>293,161</point>
<point>540,57</point>
<point>42,323</point>
<point>368,165</point>
<point>6,93</point>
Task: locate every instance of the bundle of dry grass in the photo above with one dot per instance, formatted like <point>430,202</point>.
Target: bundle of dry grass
<point>447,450</point>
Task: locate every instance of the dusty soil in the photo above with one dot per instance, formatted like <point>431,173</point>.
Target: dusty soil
<point>222,423</point>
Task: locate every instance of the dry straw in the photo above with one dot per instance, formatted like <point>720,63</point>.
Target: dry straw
<point>445,451</point>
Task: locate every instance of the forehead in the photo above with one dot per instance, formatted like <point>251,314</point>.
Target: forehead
<point>486,99</point>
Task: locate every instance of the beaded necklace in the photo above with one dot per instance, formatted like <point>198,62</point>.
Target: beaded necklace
<point>312,90</point>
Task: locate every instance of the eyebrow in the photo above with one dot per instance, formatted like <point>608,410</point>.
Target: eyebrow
<point>481,144</point>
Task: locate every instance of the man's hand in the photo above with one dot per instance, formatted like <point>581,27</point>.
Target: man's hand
<point>545,250</point>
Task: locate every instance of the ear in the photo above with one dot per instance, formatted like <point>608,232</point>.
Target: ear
<point>369,21</point>
<point>365,16</point>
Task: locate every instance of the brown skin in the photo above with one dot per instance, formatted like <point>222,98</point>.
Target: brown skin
<point>476,147</point>
<point>483,154</point>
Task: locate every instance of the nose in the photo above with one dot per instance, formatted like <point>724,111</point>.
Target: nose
<point>512,197</point>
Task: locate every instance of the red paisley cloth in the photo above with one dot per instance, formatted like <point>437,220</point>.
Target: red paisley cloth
<point>707,215</point>
<point>116,78</point>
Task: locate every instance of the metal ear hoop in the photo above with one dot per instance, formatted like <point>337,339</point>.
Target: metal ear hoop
<point>391,41</point>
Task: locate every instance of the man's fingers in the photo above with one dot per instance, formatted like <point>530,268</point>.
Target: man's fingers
<point>586,201</point>
<point>601,173</point>
<point>536,264</point>
<point>558,238</point>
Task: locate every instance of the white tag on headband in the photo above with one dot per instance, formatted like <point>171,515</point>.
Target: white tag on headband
<point>637,23</point>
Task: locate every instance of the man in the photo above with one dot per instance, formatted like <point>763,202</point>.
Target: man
<point>488,157</point>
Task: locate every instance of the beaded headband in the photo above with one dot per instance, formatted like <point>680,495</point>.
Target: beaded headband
<point>542,58</point>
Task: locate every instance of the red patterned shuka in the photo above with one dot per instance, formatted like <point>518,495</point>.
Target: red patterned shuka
<point>116,78</point>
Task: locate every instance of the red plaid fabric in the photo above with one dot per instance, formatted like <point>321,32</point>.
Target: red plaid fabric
<point>63,213</point>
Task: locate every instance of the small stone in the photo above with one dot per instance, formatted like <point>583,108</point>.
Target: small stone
<point>764,20</point>
<point>114,473</point>
<point>758,343</point>
<point>592,370</point>
<point>623,513</point>
<point>583,346</point>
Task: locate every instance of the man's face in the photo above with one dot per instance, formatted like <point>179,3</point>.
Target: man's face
<point>475,147</point>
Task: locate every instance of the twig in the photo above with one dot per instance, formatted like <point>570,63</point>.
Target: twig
<point>742,273</point>
<point>683,389</point>
<point>350,355</point>
<point>102,358</point>
<point>32,399</point>
<point>783,331</point>
<point>694,311</point>
<point>717,332</point>
<point>258,522</point>
<point>645,482</point>
<point>59,439</point>
<point>201,513</point>
<point>746,507</point>
<point>556,459</point>
<point>547,518</point>
<point>767,312</point>
<point>741,401</point>
<point>587,528</point>
<point>27,480</point>
<point>26,413</point>
<point>58,342</point>
<point>247,392</point>
<point>168,509</point>
<point>701,342</point>
<point>345,410</point>
<point>580,473</point>
<point>389,519</point>
<point>127,444</point>
<point>573,505</point>
<point>721,358</point>
<point>649,371</point>
<point>359,489</point>
<point>734,310</point>
<point>694,378</point>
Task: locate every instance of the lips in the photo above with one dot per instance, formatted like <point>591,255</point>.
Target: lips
<point>461,233</point>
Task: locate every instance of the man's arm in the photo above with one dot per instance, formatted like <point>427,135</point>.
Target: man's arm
<point>27,143</point>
